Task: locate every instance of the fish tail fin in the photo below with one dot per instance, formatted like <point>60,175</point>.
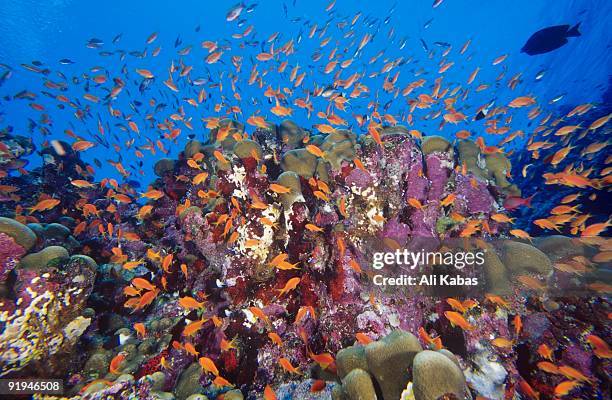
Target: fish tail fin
<point>528,200</point>
<point>574,30</point>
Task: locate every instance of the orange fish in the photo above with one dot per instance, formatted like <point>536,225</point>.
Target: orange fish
<point>269,393</point>
<point>189,303</point>
<point>600,347</point>
<point>276,188</point>
<point>323,359</point>
<point>573,373</point>
<point>448,200</point>
<point>528,390</point>
<point>502,343</point>
<point>275,339</point>
<point>522,101</point>
<point>313,228</point>
<point>166,262</point>
<point>116,362</point>
<point>190,348</point>
<point>518,324</point>
<point>415,203</point>
<point>132,264</point>
<point>530,282</point>
<point>301,314</point>
<point>208,365</point>
<point>140,328</point>
<point>259,313</point>
<point>457,319</point>
<point>290,285</point>
<point>286,365</point>
<point>355,266</point>
<point>362,338</point>
<point>221,382</point>
<point>545,352</point>
<point>312,149</point>
<point>456,304</point>
<point>564,388</point>
<point>147,298</point>
<point>193,327</point>
<point>317,386</point>
<point>548,367</point>
<point>45,205</point>
<point>142,283</point>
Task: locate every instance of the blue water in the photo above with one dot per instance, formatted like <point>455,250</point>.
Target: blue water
<point>48,31</point>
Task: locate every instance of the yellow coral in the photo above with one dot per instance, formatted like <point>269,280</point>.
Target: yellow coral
<point>37,331</point>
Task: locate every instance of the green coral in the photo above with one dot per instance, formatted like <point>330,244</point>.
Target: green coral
<point>43,257</point>
<point>166,165</point>
<point>386,363</point>
<point>558,247</point>
<point>247,148</point>
<point>350,358</point>
<point>435,374</point>
<point>495,272</point>
<point>499,166</point>
<point>291,180</point>
<point>189,382</point>
<point>520,258</point>
<point>493,166</point>
<point>300,161</point>
<point>234,394</point>
<point>389,361</point>
<point>192,148</point>
<point>358,385</point>
<point>291,134</point>
<point>443,224</point>
<point>21,234</point>
<point>469,155</point>
<point>432,144</point>
<point>397,130</point>
<point>339,146</point>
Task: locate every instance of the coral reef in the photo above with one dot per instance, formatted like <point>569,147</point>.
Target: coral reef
<point>41,313</point>
<point>247,264</point>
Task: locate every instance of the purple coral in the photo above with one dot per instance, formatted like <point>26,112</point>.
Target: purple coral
<point>10,254</point>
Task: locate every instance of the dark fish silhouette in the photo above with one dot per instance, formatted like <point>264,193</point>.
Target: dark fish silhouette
<point>549,39</point>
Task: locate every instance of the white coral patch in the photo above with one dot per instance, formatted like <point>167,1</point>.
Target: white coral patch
<point>237,177</point>
<point>259,251</point>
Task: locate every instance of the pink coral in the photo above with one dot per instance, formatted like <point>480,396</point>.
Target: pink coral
<point>10,254</point>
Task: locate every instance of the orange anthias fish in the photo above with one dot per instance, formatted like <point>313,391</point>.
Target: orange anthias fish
<point>189,303</point>
<point>191,328</point>
<point>564,388</point>
<point>287,366</point>
<point>269,393</point>
<point>221,382</point>
<point>142,283</point>
<point>276,188</point>
<point>290,285</point>
<point>116,362</point>
<point>600,347</point>
<point>457,319</point>
<point>324,359</point>
<point>140,328</point>
<point>362,338</point>
<point>208,365</point>
<point>45,205</point>
<point>545,352</point>
<point>275,339</point>
<point>527,390</point>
